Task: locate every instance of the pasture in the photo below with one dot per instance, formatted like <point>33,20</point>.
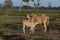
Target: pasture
<point>11,23</point>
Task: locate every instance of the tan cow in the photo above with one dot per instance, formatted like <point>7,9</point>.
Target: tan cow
<point>40,19</point>
<point>28,23</point>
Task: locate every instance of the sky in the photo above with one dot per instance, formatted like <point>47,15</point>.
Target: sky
<point>45,3</point>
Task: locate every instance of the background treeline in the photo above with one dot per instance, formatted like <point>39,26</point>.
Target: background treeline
<point>8,4</point>
<point>26,7</point>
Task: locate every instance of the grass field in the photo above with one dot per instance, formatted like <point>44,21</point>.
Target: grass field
<point>16,17</point>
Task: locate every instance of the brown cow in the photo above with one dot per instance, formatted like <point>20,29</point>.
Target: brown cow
<point>28,23</point>
<point>40,19</point>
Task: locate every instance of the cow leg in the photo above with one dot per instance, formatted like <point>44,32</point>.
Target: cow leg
<point>45,27</point>
<point>32,30</point>
<point>24,28</point>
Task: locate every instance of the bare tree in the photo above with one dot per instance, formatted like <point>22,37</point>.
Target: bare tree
<point>49,6</point>
<point>38,4</point>
<point>27,2</point>
<point>7,6</point>
<point>20,7</point>
<point>32,0</point>
<point>0,5</point>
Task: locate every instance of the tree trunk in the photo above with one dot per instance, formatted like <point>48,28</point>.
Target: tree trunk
<point>28,5</point>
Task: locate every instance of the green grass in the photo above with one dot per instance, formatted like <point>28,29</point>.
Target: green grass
<point>13,16</point>
<point>17,13</point>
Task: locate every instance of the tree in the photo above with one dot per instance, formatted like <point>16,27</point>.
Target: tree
<point>27,2</point>
<point>8,6</point>
<point>0,5</point>
<point>32,0</point>
<point>38,3</point>
<point>49,6</point>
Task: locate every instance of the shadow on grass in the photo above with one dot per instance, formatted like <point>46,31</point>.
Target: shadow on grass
<point>13,26</point>
<point>54,26</point>
<point>13,37</point>
<point>42,39</point>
